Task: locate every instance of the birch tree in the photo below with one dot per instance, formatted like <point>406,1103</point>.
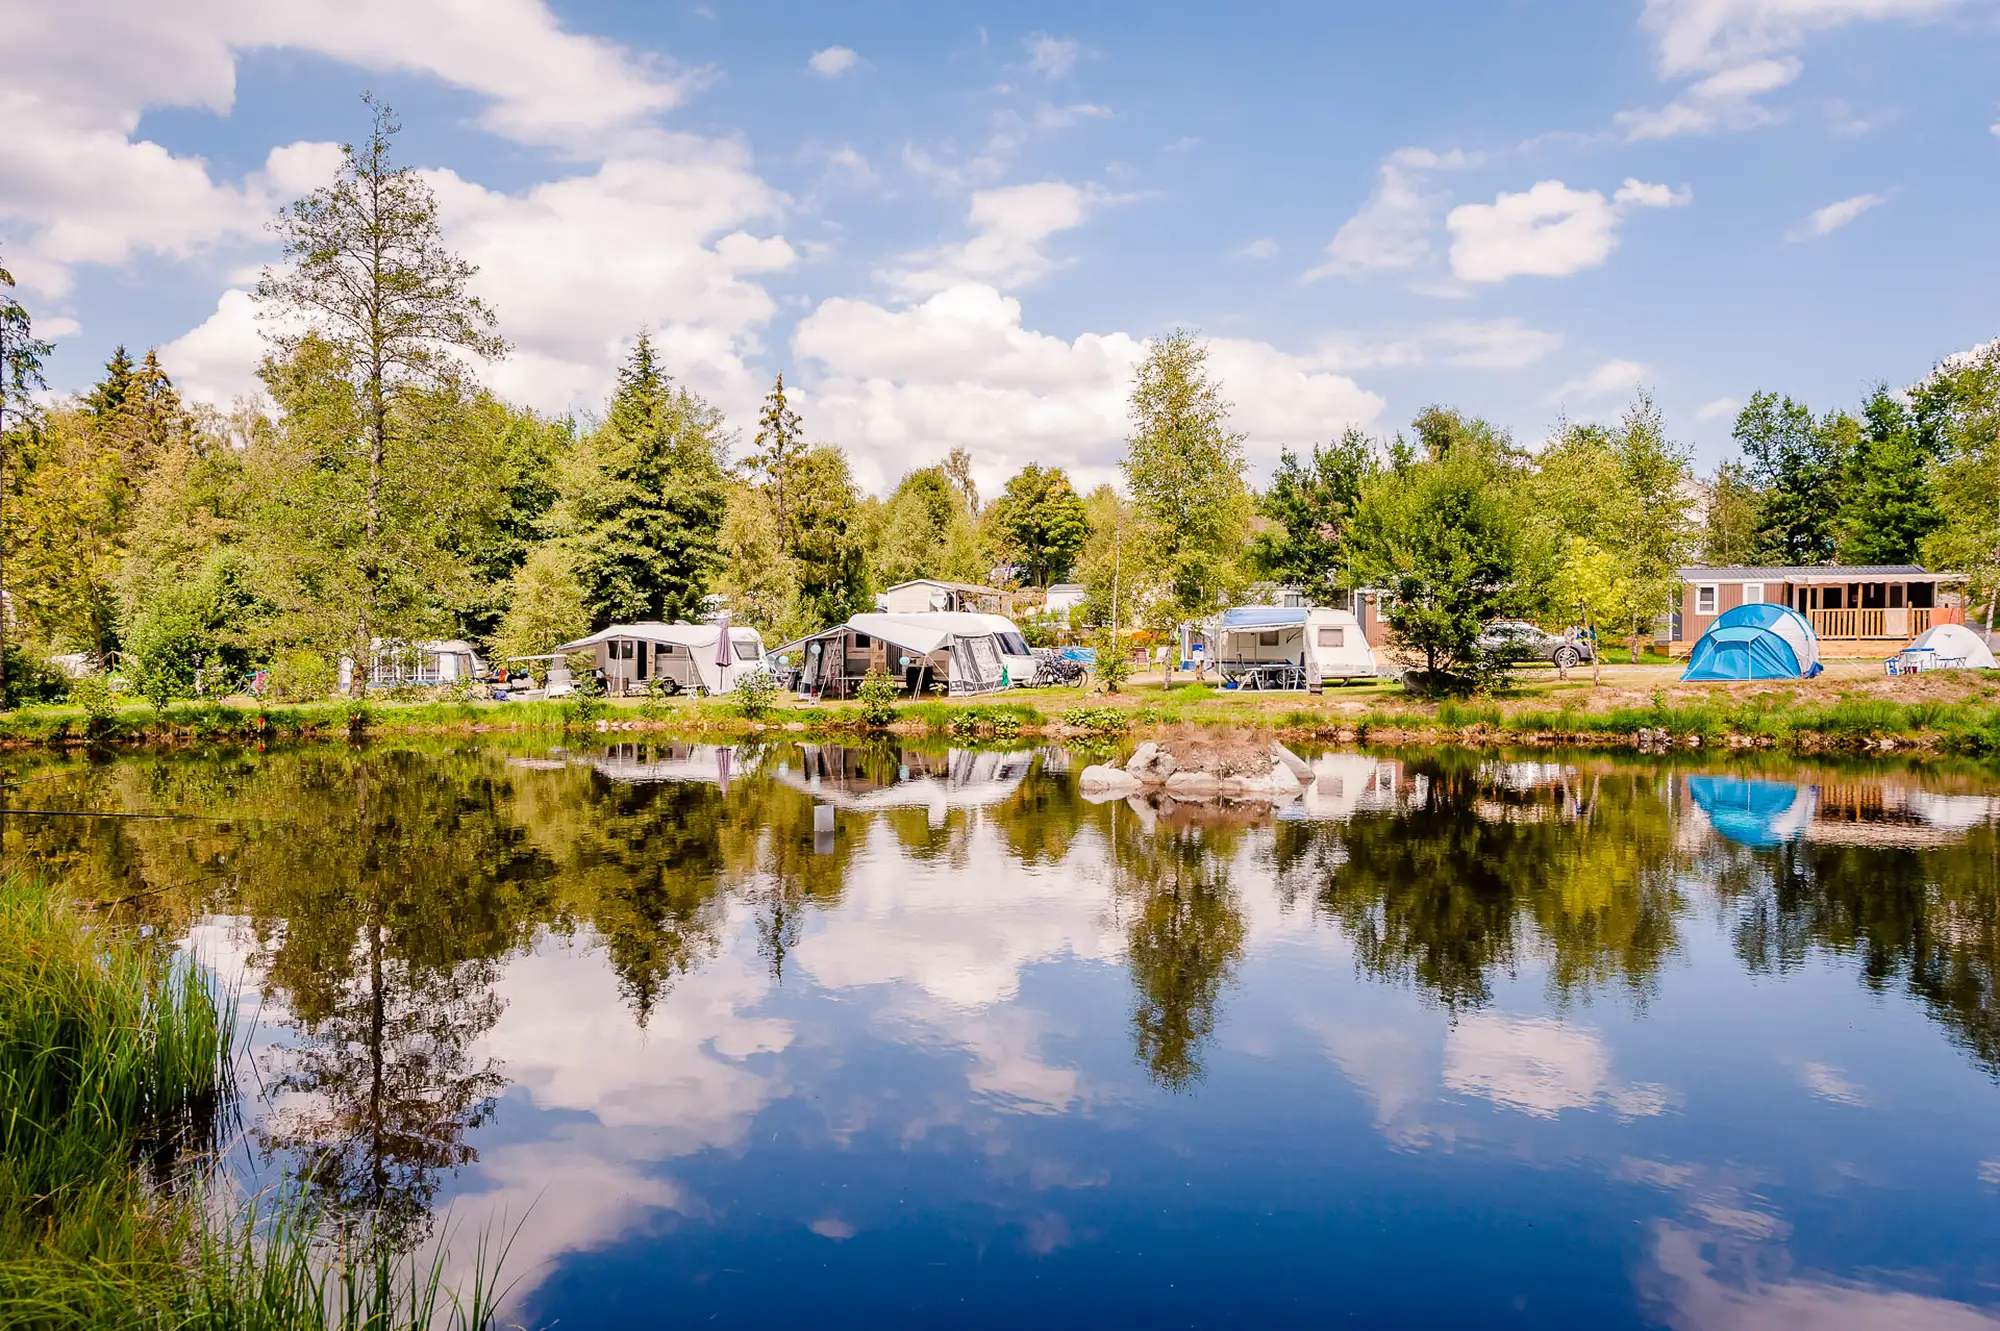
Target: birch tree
<point>367,275</point>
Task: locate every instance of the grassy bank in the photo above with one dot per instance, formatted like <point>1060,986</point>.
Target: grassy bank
<point>115,1088</point>
<point>1640,708</point>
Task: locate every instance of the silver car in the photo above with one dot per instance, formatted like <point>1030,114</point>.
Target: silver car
<point>1529,642</point>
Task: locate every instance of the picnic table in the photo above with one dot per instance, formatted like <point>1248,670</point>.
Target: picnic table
<point>1269,675</point>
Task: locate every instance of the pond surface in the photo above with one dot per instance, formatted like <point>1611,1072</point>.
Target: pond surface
<point>1452,1042</point>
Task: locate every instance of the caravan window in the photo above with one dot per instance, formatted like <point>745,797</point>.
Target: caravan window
<point>625,649</point>
<point>860,640</point>
<point>1013,644</point>
<point>1268,638</point>
<point>1332,635</point>
<point>747,648</point>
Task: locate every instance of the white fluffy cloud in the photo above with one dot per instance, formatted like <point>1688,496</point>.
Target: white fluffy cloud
<point>1614,378</point>
<point>576,267</point>
<point>1483,344</point>
<point>898,387</point>
<point>1051,57</point>
<point>1549,230</point>
<point>1825,221</point>
<point>833,61</point>
<point>1719,409</point>
<point>651,232</point>
<point>83,189</point>
<point>1392,229</point>
<point>1008,246</point>
<point>1705,35</point>
<point>1735,49</point>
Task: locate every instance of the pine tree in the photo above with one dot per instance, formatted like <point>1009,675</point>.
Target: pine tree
<point>779,444</point>
<point>368,278</point>
<point>108,397</point>
<point>649,518</point>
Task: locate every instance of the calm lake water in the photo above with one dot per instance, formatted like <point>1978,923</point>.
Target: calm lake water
<point>1452,1042</point>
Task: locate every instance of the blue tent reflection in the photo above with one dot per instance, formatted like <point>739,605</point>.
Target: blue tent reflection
<point>1757,814</point>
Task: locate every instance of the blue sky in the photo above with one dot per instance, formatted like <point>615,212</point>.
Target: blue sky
<point>951,224</point>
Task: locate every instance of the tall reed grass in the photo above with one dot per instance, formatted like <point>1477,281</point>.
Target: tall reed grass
<point>115,1085</point>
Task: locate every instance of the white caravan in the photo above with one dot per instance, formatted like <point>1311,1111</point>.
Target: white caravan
<point>1289,647</point>
<point>673,657</point>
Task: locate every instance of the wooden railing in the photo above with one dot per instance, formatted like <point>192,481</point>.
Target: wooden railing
<point>1899,624</point>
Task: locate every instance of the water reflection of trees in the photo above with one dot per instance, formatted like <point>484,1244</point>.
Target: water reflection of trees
<point>1184,936</point>
<point>1925,921</point>
<point>1474,872</point>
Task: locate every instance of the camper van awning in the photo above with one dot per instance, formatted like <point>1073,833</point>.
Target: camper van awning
<point>680,635</point>
<point>919,632</point>
<point>1263,617</point>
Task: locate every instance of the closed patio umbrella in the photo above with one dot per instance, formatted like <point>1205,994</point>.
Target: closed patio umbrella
<point>722,656</point>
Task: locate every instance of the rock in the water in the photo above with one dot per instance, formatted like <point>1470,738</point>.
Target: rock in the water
<point>1098,779</point>
<point>1297,766</point>
<point>1151,764</point>
<point>1193,785</point>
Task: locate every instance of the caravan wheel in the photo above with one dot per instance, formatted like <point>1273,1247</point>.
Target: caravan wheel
<point>669,686</point>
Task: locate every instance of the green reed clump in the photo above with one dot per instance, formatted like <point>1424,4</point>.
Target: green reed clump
<point>115,1075</point>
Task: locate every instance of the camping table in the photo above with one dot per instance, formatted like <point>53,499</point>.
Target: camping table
<point>1274,675</point>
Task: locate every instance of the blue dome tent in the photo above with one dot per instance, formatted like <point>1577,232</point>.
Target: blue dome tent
<point>1760,641</point>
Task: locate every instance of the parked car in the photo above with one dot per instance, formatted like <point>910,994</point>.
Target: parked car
<point>1529,642</point>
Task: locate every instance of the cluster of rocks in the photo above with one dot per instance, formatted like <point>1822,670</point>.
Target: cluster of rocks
<point>1273,774</point>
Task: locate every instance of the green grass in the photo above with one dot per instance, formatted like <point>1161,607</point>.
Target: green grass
<point>115,1084</point>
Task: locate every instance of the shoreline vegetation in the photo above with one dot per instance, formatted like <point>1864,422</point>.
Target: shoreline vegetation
<point>117,1090</point>
<point>1958,718</point>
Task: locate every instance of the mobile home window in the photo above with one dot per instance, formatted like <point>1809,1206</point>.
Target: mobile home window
<point>625,649</point>
<point>1268,638</point>
<point>1332,636</point>
<point>1753,593</point>
<point>1704,599</point>
<point>861,640</point>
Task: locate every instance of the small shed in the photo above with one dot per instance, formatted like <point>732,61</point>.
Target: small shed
<point>925,595</point>
<point>673,657</point>
<point>1755,641</point>
<point>1945,647</point>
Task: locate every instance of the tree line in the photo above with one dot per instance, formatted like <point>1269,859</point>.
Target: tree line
<point>378,492</point>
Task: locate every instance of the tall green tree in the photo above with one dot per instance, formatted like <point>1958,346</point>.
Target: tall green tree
<point>1887,506</point>
<point>1042,521</point>
<point>368,278</point>
<point>1648,530</point>
<point>1798,466</point>
<point>1184,468</point>
<point>1733,518</point>
<point>1957,416</point>
<point>1310,502</point>
<point>926,531</point>
<point>1446,540</point>
<point>648,521</point>
<point>779,445</point>
<point>828,556</point>
<point>21,358</point>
